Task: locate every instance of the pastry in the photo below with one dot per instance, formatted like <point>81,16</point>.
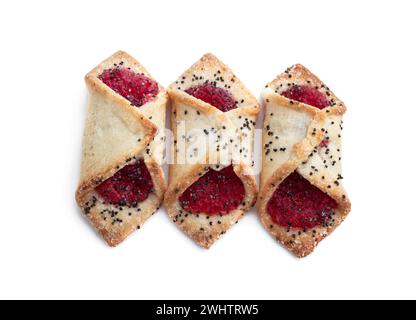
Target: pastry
<point>122,183</point>
<point>211,181</point>
<point>301,199</point>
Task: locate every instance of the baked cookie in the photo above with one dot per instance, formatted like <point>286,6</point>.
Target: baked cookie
<point>211,181</point>
<point>122,183</point>
<point>301,199</point>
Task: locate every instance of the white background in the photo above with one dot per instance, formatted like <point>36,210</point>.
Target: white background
<point>363,50</point>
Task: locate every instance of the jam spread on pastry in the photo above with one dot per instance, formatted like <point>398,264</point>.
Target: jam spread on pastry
<point>302,199</point>
<point>215,96</point>
<point>299,204</point>
<point>129,186</point>
<point>296,202</point>
<point>308,95</point>
<point>211,186</point>
<point>216,192</point>
<point>135,87</point>
<point>132,184</point>
<point>122,183</point>
<point>324,143</point>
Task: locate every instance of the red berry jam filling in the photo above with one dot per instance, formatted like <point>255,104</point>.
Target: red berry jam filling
<point>217,97</point>
<point>216,192</point>
<point>135,87</point>
<point>308,95</point>
<point>324,143</point>
<point>297,203</point>
<point>128,187</point>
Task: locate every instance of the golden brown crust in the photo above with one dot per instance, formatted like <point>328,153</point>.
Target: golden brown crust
<point>300,128</point>
<point>196,114</point>
<point>117,134</point>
